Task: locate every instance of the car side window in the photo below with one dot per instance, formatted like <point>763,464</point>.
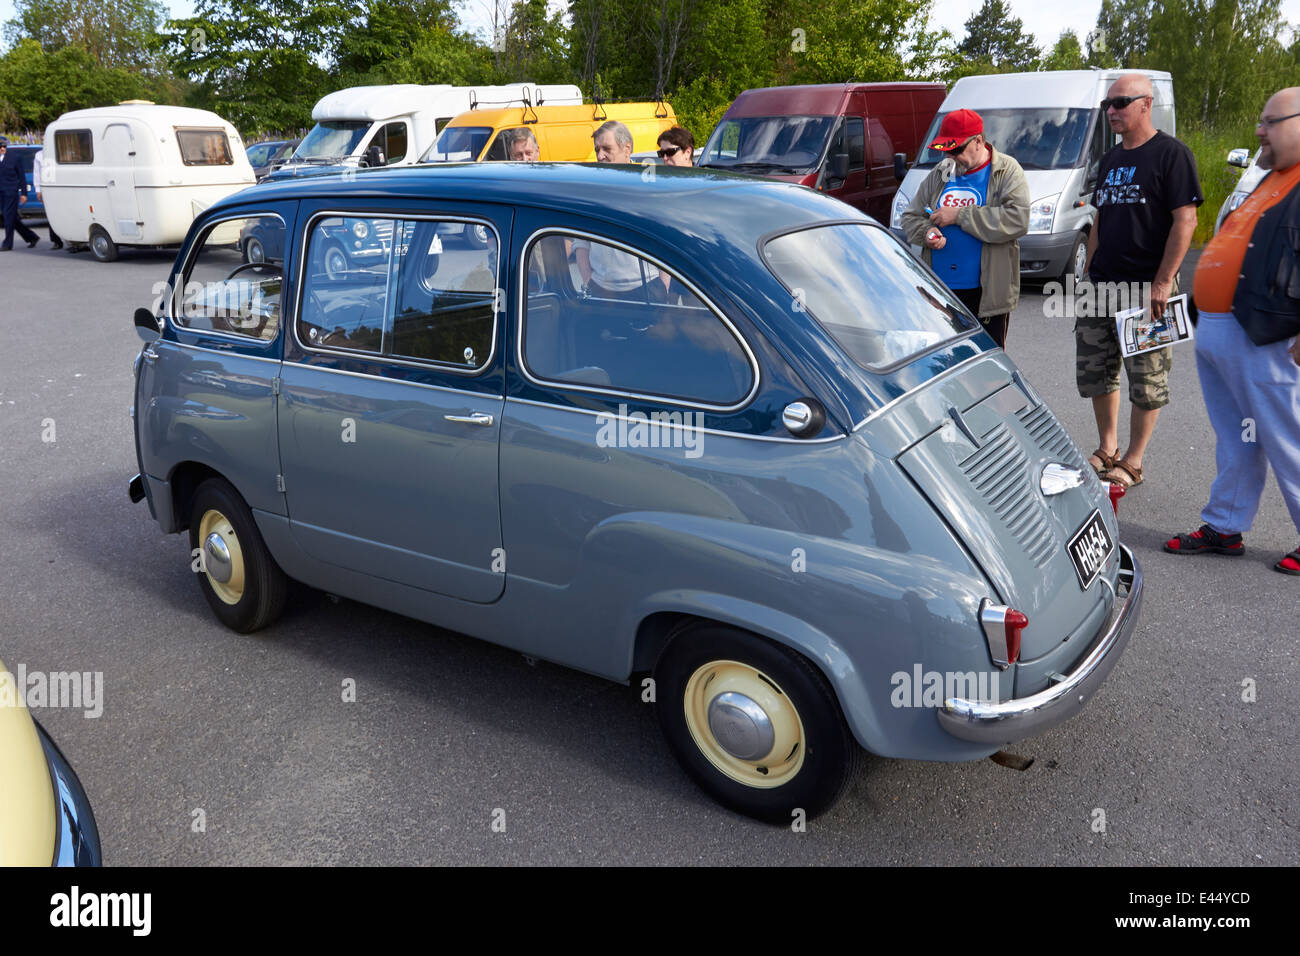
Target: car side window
<point>225,292</point>
<point>414,290</point>
<point>857,142</point>
<point>600,316</point>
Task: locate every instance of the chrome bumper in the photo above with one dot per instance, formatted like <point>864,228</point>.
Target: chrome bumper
<point>77,838</point>
<point>1007,721</point>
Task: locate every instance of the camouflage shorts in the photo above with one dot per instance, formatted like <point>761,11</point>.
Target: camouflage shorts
<point>1097,361</point>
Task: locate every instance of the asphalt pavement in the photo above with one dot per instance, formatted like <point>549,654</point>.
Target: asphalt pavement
<point>219,748</point>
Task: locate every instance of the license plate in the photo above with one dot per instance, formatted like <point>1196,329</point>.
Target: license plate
<point>1089,549</point>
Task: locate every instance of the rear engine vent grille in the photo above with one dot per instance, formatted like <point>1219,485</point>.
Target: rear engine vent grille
<point>999,471</point>
<point>1048,434</point>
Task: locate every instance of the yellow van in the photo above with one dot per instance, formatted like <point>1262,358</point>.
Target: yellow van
<point>563,132</point>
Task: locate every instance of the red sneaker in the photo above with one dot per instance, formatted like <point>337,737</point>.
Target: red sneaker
<point>1206,539</point>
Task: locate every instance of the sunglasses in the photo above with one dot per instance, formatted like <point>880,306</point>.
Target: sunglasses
<point>669,151</point>
<point>954,150</point>
<point>1122,102</point>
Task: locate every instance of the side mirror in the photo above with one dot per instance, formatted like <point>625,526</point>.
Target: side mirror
<point>374,156</point>
<point>900,166</point>
<point>839,168</point>
<point>146,325</point>
<point>1239,158</point>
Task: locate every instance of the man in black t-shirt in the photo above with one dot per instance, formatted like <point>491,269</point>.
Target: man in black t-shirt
<point>1146,198</point>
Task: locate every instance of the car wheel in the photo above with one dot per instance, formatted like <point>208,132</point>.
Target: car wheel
<point>1078,259</point>
<point>237,575</point>
<point>755,724</point>
<point>254,251</point>
<point>102,246</point>
<point>334,260</point>
<point>478,236</point>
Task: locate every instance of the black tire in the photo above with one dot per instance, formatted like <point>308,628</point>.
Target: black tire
<point>254,251</point>
<point>1078,255</point>
<point>810,776</point>
<point>102,246</point>
<point>334,260</point>
<point>259,597</point>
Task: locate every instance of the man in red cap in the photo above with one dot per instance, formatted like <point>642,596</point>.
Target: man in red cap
<point>967,217</point>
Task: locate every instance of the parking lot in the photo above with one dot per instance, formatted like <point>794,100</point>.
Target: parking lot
<point>219,748</point>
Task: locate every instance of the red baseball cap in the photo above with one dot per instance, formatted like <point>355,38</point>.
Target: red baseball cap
<point>957,127</point>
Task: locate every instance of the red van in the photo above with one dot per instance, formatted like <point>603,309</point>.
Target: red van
<point>853,141</point>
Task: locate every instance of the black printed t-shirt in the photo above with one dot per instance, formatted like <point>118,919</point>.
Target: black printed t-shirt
<point>1137,191</point>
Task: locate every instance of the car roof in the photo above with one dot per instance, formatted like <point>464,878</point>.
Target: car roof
<point>703,204</point>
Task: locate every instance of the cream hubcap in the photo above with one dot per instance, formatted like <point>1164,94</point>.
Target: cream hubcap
<point>744,724</point>
<point>223,558</point>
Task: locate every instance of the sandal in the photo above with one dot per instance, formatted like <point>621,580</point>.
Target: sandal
<point>1207,539</point>
<point>1290,563</point>
<point>1124,474</point>
<point>1107,461</point>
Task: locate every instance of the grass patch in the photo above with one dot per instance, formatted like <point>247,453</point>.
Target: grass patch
<point>1210,145</point>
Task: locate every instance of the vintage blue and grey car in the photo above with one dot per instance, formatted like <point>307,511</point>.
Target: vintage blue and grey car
<point>724,432</point>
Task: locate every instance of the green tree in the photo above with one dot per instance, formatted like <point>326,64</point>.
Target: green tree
<point>997,39</point>
<point>535,45</point>
<point>113,33</point>
<point>410,41</point>
<point>35,86</point>
<point>257,62</point>
<point>1122,33</point>
<point>1066,55</point>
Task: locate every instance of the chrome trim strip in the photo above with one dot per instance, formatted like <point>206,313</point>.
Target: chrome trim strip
<point>225,352</point>
<point>526,247</point>
<point>1003,722</point>
<point>890,404</point>
<point>706,431</point>
<point>493,396</point>
<point>395,216</point>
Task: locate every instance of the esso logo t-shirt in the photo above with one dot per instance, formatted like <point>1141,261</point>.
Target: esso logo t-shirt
<point>958,262</point>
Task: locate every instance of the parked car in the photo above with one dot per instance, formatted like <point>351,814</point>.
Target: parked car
<point>718,429</point>
<point>136,174</point>
<point>1052,124</point>
<point>563,133</point>
<point>853,141</point>
<point>268,156</point>
<point>45,817</point>
<point>1252,174</point>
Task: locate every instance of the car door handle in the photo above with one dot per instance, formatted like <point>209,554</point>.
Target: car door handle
<point>478,418</point>
<point>149,353</point>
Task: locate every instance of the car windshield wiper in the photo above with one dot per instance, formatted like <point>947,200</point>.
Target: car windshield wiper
<point>755,165</point>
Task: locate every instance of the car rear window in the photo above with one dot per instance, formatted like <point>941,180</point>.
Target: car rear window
<point>204,147</point>
<point>865,289</point>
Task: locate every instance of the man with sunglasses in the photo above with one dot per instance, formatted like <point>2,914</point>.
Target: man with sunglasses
<point>1146,198</point>
<point>1247,288</point>
<point>967,216</point>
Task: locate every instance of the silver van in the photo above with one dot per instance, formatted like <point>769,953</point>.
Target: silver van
<point>1052,124</point>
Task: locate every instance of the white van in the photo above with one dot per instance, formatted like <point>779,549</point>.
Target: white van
<point>395,125</point>
<point>137,174</point>
<point>1052,124</point>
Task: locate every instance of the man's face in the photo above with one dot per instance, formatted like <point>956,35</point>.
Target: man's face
<point>969,153</point>
<point>1279,143</point>
<point>1131,116</point>
<point>524,150</point>
<point>608,149</point>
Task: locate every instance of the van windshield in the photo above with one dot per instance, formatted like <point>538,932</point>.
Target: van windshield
<point>865,289</point>
<point>1035,138</point>
<point>331,140</point>
<point>768,144</point>
<point>458,144</point>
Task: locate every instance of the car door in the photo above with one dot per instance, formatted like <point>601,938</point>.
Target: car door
<point>391,397</point>
<point>119,155</point>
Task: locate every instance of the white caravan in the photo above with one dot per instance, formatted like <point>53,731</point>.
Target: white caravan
<point>395,125</point>
<point>1052,124</point>
<point>137,174</point>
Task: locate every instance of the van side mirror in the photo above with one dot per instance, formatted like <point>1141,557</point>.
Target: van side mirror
<point>146,325</point>
<point>840,166</point>
<point>374,156</point>
<point>1239,158</point>
<point>900,166</point>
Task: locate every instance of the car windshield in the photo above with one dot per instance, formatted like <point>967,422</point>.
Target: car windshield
<point>768,144</point>
<point>864,288</point>
<point>259,154</point>
<point>458,144</point>
<point>1035,138</point>
<point>331,140</point>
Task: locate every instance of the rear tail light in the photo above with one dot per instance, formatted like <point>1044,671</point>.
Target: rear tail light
<point>1002,628</point>
<point>1116,491</point>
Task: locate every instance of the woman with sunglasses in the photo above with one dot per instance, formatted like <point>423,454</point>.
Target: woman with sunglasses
<point>677,147</point>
